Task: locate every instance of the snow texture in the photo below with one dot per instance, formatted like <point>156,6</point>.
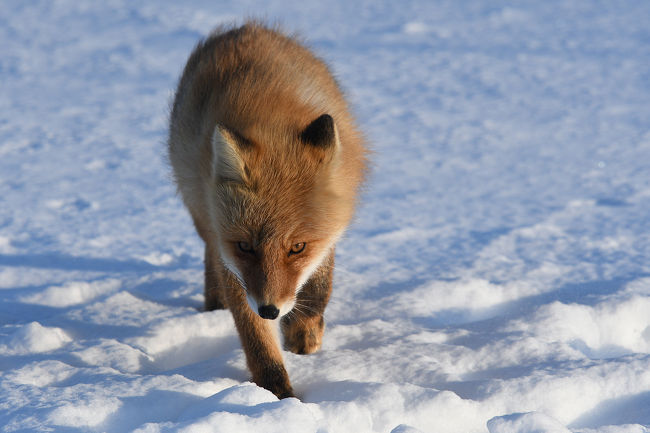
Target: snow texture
<point>497,277</point>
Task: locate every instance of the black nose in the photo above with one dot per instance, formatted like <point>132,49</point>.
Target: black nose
<point>268,311</point>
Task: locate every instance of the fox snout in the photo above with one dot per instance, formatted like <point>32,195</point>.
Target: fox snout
<point>268,312</point>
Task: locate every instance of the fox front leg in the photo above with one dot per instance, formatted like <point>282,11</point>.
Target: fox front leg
<point>304,326</point>
<point>260,342</point>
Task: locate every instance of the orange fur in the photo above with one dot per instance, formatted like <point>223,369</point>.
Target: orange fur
<point>267,159</point>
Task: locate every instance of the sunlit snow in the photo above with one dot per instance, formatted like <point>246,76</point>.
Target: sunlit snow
<point>497,275</point>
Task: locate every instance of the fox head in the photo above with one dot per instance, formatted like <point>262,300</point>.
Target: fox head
<point>280,204</point>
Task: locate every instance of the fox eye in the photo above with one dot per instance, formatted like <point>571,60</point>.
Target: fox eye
<point>297,248</point>
<point>244,247</point>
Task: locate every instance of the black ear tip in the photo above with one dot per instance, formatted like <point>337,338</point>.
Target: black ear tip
<point>320,132</point>
<point>325,119</point>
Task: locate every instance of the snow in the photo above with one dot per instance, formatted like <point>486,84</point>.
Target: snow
<point>497,277</point>
<point>33,338</point>
<point>531,422</point>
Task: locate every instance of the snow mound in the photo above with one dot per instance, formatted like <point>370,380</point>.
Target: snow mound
<point>403,428</point>
<point>72,293</point>
<point>610,328</point>
<point>247,408</point>
<point>532,422</point>
<point>84,413</point>
<point>187,340</point>
<point>34,338</point>
<point>121,308</point>
<point>41,373</point>
<point>113,354</point>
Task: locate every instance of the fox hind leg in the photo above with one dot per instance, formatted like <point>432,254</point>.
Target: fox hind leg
<point>304,326</point>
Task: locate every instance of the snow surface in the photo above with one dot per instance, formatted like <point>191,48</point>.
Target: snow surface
<point>497,277</point>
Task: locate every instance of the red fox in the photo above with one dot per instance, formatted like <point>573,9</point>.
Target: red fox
<point>268,161</point>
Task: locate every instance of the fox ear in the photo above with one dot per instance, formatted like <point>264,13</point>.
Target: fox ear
<point>322,134</point>
<point>227,162</point>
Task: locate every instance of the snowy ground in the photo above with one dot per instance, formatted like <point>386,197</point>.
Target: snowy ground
<point>497,277</point>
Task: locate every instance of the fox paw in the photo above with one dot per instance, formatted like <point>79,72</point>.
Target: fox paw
<point>275,379</point>
<point>304,335</point>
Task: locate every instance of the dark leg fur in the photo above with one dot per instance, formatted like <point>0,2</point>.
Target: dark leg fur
<point>213,290</point>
